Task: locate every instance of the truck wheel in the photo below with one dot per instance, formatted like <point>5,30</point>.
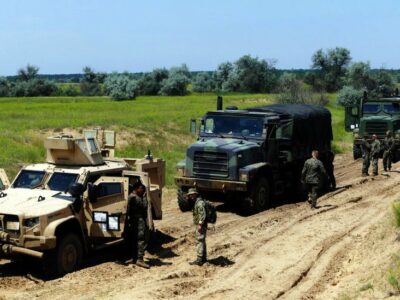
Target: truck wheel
<point>357,152</point>
<point>69,254</point>
<point>183,203</point>
<point>66,258</point>
<point>260,195</point>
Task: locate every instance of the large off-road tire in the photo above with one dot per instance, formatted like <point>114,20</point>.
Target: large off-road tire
<point>183,202</point>
<point>357,153</point>
<point>66,258</point>
<point>259,197</point>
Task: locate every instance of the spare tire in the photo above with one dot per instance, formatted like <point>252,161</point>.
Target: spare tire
<point>183,202</point>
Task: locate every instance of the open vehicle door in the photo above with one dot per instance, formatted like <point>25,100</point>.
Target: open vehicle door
<point>4,182</point>
<point>106,209</point>
<point>351,117</point>
<point>152,192</point>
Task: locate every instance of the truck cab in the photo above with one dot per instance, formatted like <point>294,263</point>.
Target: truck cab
<point>373,116</point>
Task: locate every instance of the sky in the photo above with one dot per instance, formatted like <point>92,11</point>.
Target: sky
<point>63,36</point>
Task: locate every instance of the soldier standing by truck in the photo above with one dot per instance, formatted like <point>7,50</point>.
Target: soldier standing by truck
<point>366,150</point>
<point>138,215</point>
<point>375,149</point>
<point>313,175</point>
<point>200,222</point>
<point>388,145</point>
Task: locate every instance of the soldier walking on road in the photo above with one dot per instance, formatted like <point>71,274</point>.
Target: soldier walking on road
<point>138,216</point>
<point>200,222</point>
<point>375,150</point>
<point>388,146</point>
<point>313,175</point>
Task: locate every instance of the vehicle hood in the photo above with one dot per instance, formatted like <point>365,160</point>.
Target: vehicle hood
<point>26,202</point>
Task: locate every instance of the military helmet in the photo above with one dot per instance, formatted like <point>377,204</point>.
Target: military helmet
<point>192,191</point>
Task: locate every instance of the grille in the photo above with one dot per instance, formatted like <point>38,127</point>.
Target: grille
<point>210,164</point>
<point>9,218</point>
<point>378,128</point>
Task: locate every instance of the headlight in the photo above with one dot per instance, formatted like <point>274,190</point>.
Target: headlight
<point>12,225</point>
<point>31,222</point>
<point>244,177</point>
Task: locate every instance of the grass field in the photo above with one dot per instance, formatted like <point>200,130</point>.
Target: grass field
<point>157,123</point>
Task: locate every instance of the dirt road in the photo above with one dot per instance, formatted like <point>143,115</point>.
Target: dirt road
<point>288,252</point>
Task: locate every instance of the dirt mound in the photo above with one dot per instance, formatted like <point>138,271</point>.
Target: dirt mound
<point>289,252</point>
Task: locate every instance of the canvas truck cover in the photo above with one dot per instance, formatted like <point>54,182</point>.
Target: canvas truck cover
<point>311,123</point>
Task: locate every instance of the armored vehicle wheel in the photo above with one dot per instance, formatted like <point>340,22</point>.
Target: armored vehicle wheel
<point>357,153</point>
<point>183,203</point>
<point>66,258</point>
<point>260,194</point>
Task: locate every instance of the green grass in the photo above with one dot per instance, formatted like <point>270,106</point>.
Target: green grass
<point>149,122</point>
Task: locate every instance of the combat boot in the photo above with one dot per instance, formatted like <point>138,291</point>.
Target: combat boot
<point>141,263</point>
<point>197,262</point>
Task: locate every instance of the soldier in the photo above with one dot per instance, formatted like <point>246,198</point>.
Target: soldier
<point>200,222</point>
<point>138,217</point>
<point>375,150</point>
<point>366,149</point>
<point>388,145</point>
<point>313,175</point>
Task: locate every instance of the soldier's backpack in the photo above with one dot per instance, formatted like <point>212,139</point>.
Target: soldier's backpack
<point>211,213</point>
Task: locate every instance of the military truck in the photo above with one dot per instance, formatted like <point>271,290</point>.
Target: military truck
<point>252,155</point>
<point>75,202</point>
<point>374,116</point>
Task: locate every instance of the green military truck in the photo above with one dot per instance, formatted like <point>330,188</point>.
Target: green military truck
<point>373,116</point>
<point>254,154</point>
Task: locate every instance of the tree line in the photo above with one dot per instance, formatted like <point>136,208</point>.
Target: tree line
<point>332,70</point>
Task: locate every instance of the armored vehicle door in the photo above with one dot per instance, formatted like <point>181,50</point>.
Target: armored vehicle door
<point>152,192</point>
<point>351,117</point>
<point>4,182</point>
<point>106,207</point>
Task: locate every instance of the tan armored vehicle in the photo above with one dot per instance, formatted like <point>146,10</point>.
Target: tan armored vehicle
<point>74,202</point>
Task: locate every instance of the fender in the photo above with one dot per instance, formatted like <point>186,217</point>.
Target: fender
<point>51,229</point>
<point>250,172</point>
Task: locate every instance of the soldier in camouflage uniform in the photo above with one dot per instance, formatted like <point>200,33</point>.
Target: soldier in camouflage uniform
<point>388,146</point>
<point>375,149</point>
<point>366,154</point>
<point>313,175</point>
<point>200,222</point>
<point>138,216</point>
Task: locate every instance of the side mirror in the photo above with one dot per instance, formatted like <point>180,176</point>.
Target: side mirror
<point>92,192</point>
<point>193,126</point>
<point>76,189</point>
<point>354,111</point>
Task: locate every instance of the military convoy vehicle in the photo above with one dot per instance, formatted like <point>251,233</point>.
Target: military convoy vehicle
<point>75,202</point>
<point>374,116</point>
<point>254,154</point>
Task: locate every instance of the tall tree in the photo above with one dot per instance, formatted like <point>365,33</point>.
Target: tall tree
<point>28,73</point>
<point>331,67</point>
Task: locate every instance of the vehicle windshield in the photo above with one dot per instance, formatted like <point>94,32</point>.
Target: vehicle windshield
<point>61,181</point>
<point>29,179</point>
<point>370,108</point>
<point>238,126</point>
<point>391,108</point>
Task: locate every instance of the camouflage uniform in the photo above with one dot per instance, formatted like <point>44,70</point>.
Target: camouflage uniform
<point>138,216</point>
<point>388,145</point>
<point>375,149</point>
<point>366,148</point>
<point>199,218</point>
<point>313,175</point>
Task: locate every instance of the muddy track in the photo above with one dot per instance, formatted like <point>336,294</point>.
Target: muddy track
<point>287,252</point>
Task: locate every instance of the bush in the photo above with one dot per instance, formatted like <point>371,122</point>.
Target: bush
<point>293,91</point>
<point>349,96</point>
<point>176,83</point>
<point>91,82</point>
<point>204,82</point>
<point>150,83</point>
<point>120,87</point>
<point>5,87</point>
